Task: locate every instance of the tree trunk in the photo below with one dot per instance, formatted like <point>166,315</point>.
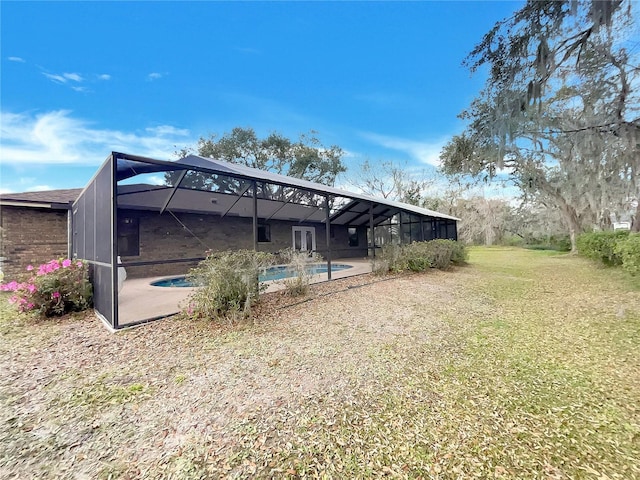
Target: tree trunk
<point>568,212</point>
<point>635,221</point>
<point>571,219</point>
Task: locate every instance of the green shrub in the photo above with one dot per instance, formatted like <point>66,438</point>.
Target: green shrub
<point>420,256</point>
<point>298,261</point>
<point>459,255</point>
<point>388,259</point>
<point>57,287</point>
<point>601,246</point>
<point>513,241</point>
<point>561,243</point>
<point>628,249</point>
<point>227,284</point>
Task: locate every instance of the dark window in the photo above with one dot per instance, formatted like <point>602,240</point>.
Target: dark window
<point>353,237</point>
<point>264,233</point>
<point>128,237</point>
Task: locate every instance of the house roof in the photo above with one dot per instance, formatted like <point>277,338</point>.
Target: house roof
<point>54,199</point>
<point>353,212</point>
<point>254,173</point>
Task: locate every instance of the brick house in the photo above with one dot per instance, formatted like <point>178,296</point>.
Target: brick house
<point>34,228</point>
<point>159,218</point>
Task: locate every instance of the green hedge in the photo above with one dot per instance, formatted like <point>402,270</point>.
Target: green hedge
<point>628,249</point>
<point>601,246</point>
<point>420,256</point>
<point>561,243</point>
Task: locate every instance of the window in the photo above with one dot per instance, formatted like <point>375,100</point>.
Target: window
<point>264,233</point>
<point>353,237</point>
<point>128,237</point>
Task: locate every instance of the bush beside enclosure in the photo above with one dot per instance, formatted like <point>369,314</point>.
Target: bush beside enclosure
<point>419,256</point>
<point>54,288</point>
<point>297,261</point>
<point>227,284</point>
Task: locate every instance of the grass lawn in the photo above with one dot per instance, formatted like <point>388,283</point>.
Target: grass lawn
<point>524,364</point>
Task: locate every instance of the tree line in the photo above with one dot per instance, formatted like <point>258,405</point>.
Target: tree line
<point>557,120</point>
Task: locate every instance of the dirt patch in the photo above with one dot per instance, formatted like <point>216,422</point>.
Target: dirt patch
<point>79,400</point>
<point>488,370</point>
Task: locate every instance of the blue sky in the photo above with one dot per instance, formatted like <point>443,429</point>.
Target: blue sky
<point>383,80</point>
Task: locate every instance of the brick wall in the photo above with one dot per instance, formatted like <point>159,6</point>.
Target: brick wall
<point>31,236</point>
<point>163,237</point>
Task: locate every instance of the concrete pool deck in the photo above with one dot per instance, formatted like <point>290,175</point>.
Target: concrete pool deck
<point>139,300</point>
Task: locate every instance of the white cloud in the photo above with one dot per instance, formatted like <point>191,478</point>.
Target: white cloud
<point>423,151</point>
<point>156,180</point>
<point>73,77</point>
<point>16,59</point>
<point>5,190</point>
<point>167,130</point>
<point>55,78</point>
<point>57,137</point>
<point>64,78</point>
<point>154,76</point>
<point>70,79</point>
<point>39,188</point>
<point>104,76</point>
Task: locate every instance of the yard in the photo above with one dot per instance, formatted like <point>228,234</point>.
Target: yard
<point>524,364</point>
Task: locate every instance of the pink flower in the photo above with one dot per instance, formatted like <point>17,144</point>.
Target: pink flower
<point>32,288</point>
<point>55,295</point>
<point>66,262</point>
<point>10,287</point>
<point>30,306</point>
<point>29,268</point>
<point>78,264</point>
<point>13,299</point>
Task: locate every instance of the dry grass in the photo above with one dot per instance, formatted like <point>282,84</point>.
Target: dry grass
<point>522,365</point>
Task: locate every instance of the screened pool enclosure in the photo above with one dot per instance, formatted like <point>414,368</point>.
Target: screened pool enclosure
<point>151,219</point>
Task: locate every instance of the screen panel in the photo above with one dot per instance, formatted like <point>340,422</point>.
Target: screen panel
<point>92,238</point>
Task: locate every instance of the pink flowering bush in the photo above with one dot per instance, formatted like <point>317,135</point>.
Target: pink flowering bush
<point>57,287</point>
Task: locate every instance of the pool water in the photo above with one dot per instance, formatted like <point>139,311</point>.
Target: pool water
<point>272,273</point>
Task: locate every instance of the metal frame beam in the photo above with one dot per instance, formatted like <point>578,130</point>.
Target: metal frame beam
<point>316,209</point>
<point>372,231</point>
<point>115,324</point>
<point>255,215</point>
<point>346,209</point>
<point>328,235</point>
<point>284,204</point>
<point>245,190</point>
<point>173,191</point>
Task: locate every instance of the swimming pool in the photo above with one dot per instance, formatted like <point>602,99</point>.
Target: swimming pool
<point>277,272</point>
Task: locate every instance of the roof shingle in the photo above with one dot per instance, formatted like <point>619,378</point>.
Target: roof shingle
<point>62,197</point>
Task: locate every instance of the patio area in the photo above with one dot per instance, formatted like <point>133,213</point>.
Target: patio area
<point>157,219</point>
<point>139,300</point>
